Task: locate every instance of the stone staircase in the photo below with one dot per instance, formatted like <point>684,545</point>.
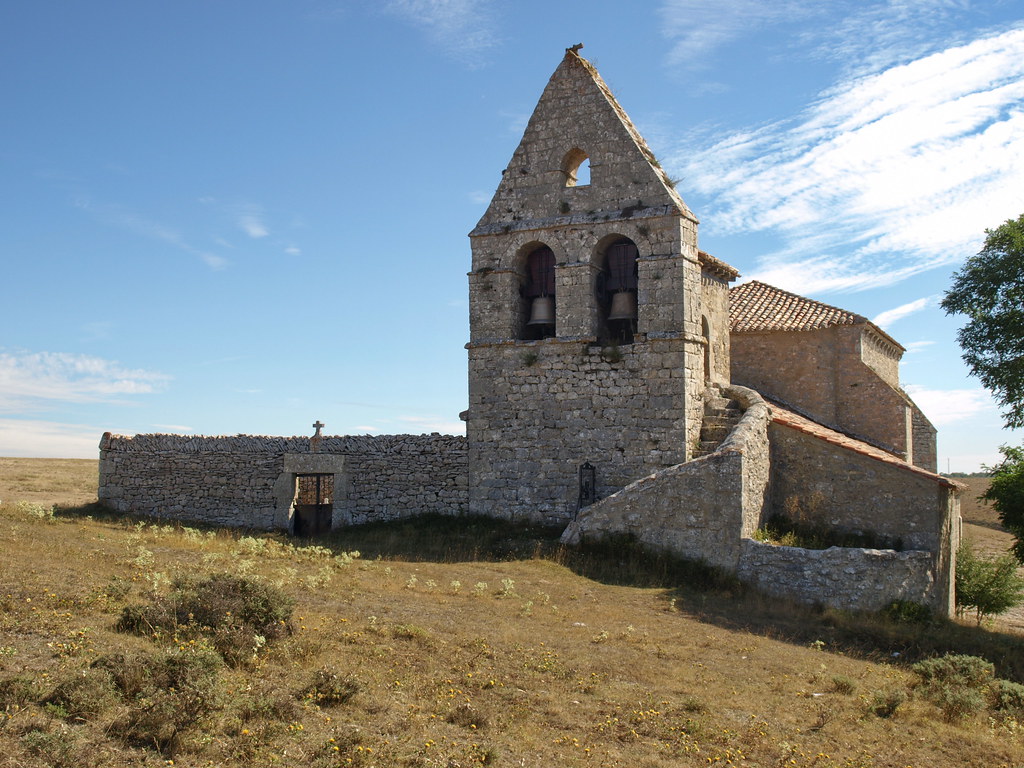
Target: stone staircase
<point>721,414</point>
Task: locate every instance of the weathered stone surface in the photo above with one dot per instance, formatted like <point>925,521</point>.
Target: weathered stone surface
<point>239,480</point>
<point>846,578</point>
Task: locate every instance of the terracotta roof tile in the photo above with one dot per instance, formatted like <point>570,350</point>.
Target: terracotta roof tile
<point>757,306</point>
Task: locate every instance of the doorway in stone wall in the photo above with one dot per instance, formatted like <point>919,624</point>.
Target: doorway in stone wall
<point>314,503</point>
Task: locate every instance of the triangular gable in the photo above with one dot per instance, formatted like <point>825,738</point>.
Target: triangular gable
<point>577,113</point>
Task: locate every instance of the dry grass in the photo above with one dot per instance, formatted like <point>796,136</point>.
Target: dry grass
<point>475,653</point>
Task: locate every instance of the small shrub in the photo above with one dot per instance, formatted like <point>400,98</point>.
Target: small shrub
<point>330,688</point>
<point>909,612</point>
<point>955,683</point>
<point>843,684</point>
<point>956,670</point>
<point>237,614</point>
<point>56,747</point>
<point>467,716</point>
<point>989,586</point>
<point>18,691</point>
<point>885,703</point>
<point>84,695</point>
<point>1007,699</point>
<point>179,693</point>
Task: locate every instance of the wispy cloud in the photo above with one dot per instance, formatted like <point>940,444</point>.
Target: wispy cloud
<point>173,428</point>
<point>48,439</point>
<point>947,406</point>
<point>890,316</point>
<point>884,177</point>
<point>698,27</point>
<point>122,218</point>
<point>464,29</point>
<point>252,225</point>
<point>27,378</point>
<point>917,346</point>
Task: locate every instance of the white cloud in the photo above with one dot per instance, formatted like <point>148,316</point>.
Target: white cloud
<point>29,377</point>
<point>890,316</point>
<point>252,225</point>
<point>947,406</point>
<point>173,428</point>
<point>884,177</point>
<point>292,250</point>
<point>698,27</point>
<point>463,28</point>
<point>917,346</point>
<point>48,439</point>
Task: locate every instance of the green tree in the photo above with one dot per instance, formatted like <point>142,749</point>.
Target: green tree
<point>989,290</point>
<point>987,585</point>
<point>1006,492</point>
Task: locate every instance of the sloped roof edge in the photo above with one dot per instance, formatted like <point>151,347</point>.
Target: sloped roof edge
<point>788,418</point>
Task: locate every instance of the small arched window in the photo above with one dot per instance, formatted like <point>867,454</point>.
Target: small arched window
<point>576,167</point>
<point>539,291</point>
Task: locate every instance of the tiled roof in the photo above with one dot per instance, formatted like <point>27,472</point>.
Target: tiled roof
<point>800,423</point>
<point>717,266</point>
<point>757,306</point>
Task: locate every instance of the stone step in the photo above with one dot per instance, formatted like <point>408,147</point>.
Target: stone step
<point>717,433</point>
<point>705,447</point>
<point>720,420</point>
<point>718,402</point>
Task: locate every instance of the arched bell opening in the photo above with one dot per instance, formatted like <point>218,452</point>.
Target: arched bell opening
<point>538,294</point>
<point>617,283</point>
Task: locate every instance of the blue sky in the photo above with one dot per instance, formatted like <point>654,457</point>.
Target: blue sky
<point>240,217</point>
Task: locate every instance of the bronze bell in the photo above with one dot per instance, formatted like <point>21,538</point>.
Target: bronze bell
<point>623,306</point>
<point>542,311</point>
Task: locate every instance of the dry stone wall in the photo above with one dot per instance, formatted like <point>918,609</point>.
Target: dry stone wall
<point>845,578</point>
<point>237,481</point>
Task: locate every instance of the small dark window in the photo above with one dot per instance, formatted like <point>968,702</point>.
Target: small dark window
<point>539,291</point>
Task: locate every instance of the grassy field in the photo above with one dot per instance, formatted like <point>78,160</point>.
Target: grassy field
<point>444,643</point>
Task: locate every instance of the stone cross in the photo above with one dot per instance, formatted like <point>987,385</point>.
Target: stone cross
<point>314,441</point>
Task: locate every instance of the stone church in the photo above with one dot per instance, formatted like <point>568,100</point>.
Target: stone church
<point>617,385</point>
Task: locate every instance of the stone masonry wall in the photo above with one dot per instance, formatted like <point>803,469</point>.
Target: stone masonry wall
<point>822,480</point>
<point>701,509</point>
<point>538,410</point>
<point>925,448</point>
<point>823,374</point>
<point>845,578</point>
<point>233,480</point>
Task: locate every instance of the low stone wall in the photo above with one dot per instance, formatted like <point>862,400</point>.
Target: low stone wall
<point>249,480</point>
<point>700,509</point>
<point>845,578</point>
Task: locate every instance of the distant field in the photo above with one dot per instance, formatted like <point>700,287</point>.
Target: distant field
<point>51,481</point>
<point>446,643</point>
